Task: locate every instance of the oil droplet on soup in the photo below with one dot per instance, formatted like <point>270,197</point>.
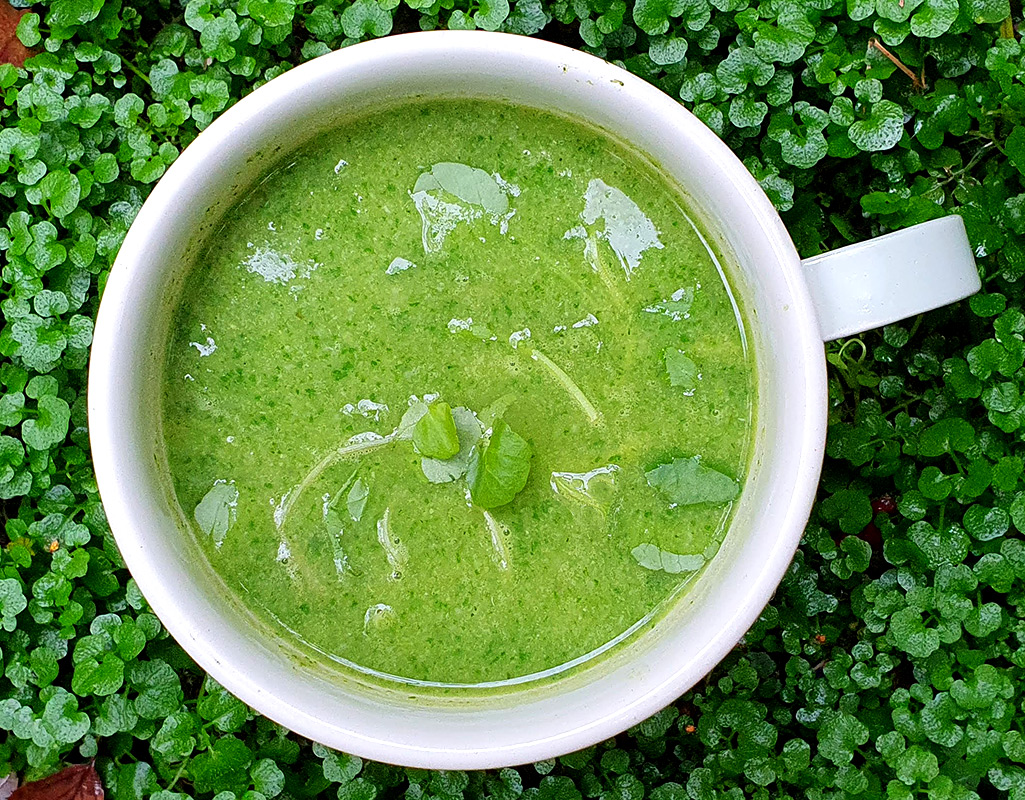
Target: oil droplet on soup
<point>537,299</point>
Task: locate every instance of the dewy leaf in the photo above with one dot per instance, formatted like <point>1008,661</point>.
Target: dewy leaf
<point>357,499</point>
<point>366,17</point>
<point>216,512</point>
<point>652,557</point>
<point>469,429</point>
<point>686,482</point>
<point>491,14</point>
<point>652,16</point>
<point>50,427</point>
<point>80,782</point>
<point>434,434</point>
<point>499,470</point>
<point>934,18</point>
<point>223,768</point>
<point>682,371</point>
<point>882,130</point>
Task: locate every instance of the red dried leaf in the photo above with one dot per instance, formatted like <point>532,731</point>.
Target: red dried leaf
<point>80,782</point>
<point>12,51</point>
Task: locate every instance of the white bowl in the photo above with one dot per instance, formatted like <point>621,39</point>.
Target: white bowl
<point>527,723</point>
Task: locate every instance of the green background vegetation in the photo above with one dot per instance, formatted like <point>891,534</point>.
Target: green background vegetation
<point>891,660</point>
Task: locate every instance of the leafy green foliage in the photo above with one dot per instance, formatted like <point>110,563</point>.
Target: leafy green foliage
<point>891,660</point>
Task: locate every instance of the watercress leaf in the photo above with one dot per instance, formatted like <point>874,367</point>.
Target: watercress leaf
<point>498,470</point>
<point>666,50</point>
<point>224,767</point>
<point>682,371</point>
<point>50,426</point>
<point>268,779</point>
<point>100,678</point>
<point>357,499</point>
<point>216,512</point>
<point>175,740</point>
<point>686,481</point>
<point>652,557</point>
<point>469,430</point>
<point>491,14</point>
<point>652,16</point>
<point>434,434</point>
<point>881,130</point>
<point>934,18</point>
<point>365,17</point>
<point>413,414</point>
<point>946,436</point>
<point>218,706</point>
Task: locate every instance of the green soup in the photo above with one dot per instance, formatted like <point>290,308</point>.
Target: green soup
<point>536,292</point>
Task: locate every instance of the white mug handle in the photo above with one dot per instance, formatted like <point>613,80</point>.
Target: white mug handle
<point>898,275</point>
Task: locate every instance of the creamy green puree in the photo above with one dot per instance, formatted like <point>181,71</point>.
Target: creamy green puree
<point>543,292</point>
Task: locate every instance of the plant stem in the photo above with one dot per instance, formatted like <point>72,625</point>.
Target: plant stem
<point>593,415</point>
<point>139,73</point>
<point>498,535</point>
<point>352,448</point>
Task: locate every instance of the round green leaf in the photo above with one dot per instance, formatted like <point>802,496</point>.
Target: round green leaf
<point>882,130</point>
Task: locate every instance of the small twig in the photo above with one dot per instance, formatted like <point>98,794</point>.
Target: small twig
<point>975,159</point>
<point>916,81</point>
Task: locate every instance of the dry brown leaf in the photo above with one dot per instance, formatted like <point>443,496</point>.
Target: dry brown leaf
<point>12,51</point>
<point>80,782</point>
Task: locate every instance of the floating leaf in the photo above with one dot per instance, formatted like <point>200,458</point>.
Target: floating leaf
<point>216,512</point>
<point>498,471</point>
<point>469,430</point>
<point>652,557</point>
<point>685,481</point>
<point>357,499</point>
<point>594,488</point>
<point>681,370</point>
<point>434,434</point>
<point>469,184</point>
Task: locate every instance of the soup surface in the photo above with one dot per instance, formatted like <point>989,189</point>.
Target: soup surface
<point>473,278</point>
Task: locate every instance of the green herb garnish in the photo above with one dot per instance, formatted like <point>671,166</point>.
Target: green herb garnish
<point>498,471</point>
<point>686,482</point>
<point>434,434</point>
<point>215,513</point>
<point>652,557</point>
<point>682,371</point>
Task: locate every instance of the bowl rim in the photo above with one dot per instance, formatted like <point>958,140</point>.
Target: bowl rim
<point>105,403</point>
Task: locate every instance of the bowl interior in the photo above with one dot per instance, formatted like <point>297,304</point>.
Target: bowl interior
<point>309,695</point>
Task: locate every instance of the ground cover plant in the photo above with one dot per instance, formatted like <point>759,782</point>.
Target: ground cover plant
<point>891,661</point>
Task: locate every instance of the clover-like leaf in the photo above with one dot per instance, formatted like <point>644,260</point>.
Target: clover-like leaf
<point>50,426</point>
<point>491,14</point>
<point>881,130</point>
<point>365,17</point>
